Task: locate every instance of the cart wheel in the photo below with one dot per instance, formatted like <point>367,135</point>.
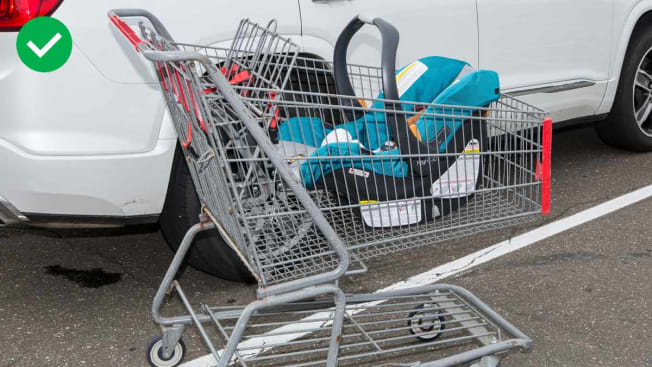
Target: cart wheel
<point>426,325</point>
<point>155,355</point>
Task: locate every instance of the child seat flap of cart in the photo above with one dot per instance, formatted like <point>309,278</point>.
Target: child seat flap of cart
<point>286,153</point>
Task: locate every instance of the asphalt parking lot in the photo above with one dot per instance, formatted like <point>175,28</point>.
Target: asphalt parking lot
<point>83,297</point>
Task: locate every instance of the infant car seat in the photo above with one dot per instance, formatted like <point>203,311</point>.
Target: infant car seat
<point>395,158</point>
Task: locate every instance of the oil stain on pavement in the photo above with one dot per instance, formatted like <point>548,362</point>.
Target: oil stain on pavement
<point>93,278</point>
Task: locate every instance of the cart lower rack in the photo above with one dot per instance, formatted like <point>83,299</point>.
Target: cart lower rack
<point>306,166</point>
<point>320,326</point>
<point>377,329</point>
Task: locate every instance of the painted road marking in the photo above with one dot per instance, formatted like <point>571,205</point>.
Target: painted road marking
<point>40,52</point>
<point>455,267</point>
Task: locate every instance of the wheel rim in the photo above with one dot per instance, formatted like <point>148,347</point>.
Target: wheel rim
<point>642,93</point>
<point>157,359</point>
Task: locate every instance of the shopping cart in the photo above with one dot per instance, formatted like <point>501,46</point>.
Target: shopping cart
<point>297,220</point>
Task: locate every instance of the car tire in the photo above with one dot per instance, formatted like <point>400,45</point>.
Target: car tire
<point>633,102</point>
<point>209,252</point>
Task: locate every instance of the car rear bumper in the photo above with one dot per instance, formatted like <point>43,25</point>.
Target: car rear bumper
<point>9,215</point>
<point>129,185</point>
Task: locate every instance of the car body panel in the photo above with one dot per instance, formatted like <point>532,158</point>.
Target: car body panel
<point>528,44</point>
<point>106,185</point>
<point>528,51</point>
<point>191,21</point>
<point>74,111</point>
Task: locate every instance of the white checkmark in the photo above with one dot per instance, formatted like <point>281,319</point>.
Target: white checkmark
<point>40,52</point>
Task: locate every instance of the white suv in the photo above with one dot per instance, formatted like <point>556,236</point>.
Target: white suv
<point>92,142</point>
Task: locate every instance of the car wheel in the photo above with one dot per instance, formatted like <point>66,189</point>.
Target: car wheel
<point>629,124</point>
<point>209,252</point>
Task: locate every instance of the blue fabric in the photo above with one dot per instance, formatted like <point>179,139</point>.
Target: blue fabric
<point>441,73</point>
<point>476,89</point>
<point>311,170</point>
<point>436,85</point>
<point>371,129</point>
<point>303,130</point>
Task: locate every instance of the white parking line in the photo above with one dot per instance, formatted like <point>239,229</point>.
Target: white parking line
<point>470,261</point>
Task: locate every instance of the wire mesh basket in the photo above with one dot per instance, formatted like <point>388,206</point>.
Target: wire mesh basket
<point>487,177</point>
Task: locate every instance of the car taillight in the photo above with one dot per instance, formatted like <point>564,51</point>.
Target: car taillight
<point>15,13</point>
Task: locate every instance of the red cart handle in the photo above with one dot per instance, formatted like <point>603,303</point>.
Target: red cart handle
<point>127,31</point>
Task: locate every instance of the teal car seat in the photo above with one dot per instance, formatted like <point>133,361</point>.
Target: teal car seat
<point>376,138</point>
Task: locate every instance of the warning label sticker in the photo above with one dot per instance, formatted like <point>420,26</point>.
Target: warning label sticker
<point>391,214</point>
<point>358,172</point>
<point>461,177</point>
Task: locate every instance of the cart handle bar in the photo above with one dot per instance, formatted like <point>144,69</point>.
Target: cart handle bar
<point>137,42</point>
<point>406,141</point>
<point>126,31</point>
<point>390,38</point>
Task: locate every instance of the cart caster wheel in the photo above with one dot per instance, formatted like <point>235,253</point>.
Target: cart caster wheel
<point>155,355</point>
<point>426,325</point>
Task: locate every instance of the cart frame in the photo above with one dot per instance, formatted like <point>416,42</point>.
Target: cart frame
<point>287,296</point>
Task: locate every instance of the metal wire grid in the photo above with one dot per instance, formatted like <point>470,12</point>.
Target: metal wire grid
<point>385,331</point>
<point>281,259</point>
<point>259,58</point>
<point>255,49</point>
<point>288,247</point>
<point>259,216</point>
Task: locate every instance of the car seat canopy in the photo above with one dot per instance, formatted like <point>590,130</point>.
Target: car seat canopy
<point>424,79</point>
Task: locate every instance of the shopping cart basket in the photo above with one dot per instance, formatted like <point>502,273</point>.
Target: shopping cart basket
<point>297,221</point>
